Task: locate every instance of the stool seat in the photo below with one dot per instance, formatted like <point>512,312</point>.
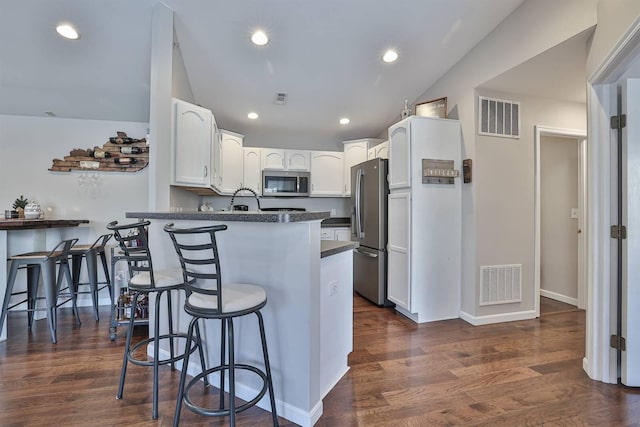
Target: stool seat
<point>236,297</point>
<point>42,255</point>
<point>167,278</point>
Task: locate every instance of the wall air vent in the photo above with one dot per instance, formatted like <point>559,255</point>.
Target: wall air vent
<point>498,117</point>
<point>500,284</point>
<point>281,98</point>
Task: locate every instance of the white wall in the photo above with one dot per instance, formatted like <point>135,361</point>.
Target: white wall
<point>559,232</point>
<point>29,145</point>
<point>497,229</point>
<point>614,19</point>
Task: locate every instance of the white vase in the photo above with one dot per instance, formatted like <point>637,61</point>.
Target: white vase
<point>32,211</point>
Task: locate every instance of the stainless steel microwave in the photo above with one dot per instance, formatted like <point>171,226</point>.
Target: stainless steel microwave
<point>277,183</point>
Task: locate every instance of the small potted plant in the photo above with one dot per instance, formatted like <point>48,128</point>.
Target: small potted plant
<point>19,205</point>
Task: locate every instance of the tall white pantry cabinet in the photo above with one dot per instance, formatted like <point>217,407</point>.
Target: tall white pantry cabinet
<point>425,221</point>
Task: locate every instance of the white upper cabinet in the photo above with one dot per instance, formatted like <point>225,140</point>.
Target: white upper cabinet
<point>355,151</point>
<point>273,158</point>
<point>326,173</point>
<point>297,160</point>
<point>252,169</point>
<point>399,155</point>
<point>294,160</point>
<point>230,170</point>
<point>191,138</point>
<point>380,151</point>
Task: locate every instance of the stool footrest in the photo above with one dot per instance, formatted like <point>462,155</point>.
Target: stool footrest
<point>226,411</point>
<point>146,362</point>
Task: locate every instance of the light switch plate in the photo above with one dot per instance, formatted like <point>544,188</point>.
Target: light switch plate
<point>574,213</point>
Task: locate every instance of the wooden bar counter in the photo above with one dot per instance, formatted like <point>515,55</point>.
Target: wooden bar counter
<point>24,235</point>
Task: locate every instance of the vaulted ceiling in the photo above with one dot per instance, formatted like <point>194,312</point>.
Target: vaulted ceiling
<point>326,55</point>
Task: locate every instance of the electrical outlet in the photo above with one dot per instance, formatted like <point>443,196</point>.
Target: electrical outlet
<point>333,212</point>
<point>333,288</point>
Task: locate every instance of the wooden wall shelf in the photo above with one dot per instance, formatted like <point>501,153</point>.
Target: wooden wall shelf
<point>108,164</point>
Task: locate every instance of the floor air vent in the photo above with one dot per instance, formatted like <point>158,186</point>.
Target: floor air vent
<point>499,118</point>
<point>500,284</point>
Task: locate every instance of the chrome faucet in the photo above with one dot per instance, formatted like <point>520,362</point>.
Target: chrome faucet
<point>244,189</point>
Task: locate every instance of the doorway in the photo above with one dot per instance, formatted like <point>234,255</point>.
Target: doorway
<point>560,216</point>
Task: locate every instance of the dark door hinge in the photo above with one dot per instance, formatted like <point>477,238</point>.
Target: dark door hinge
<point>618,343</point>
<point>618,232</point>
<point>618,122</point>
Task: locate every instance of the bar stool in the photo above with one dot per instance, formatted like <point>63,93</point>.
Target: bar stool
<point>91,254</point>
<point>43,264</point>
<point>208,298</point>
<point>144,280</point>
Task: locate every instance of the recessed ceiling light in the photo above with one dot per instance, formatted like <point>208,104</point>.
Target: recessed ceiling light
<point>253,115</point>
<point>390,56</point>
<point>67,31</point>
<point>344,121</point>
<point>259,38</point>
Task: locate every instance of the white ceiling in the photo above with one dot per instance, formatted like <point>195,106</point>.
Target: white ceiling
<point>324,54</point>
<point>558,73</point>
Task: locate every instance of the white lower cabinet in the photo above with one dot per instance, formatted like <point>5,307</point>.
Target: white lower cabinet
<point>399,250</point>
<point>335,233</point>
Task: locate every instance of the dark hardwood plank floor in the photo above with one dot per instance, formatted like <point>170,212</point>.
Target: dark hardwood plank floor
<point>402,374</point>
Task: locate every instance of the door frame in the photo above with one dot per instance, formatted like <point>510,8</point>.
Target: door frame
<point>581,137</point>
<point>600,361</point>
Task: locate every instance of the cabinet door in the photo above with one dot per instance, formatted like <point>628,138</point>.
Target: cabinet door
<point>216,159</point>
<point>326,234</point>
<point>343,234</point>
<point>400,155</point>
<point>382,150</point>
<point>399,250</point>
<point>354,153</point>
<point>252,169</point>
<point>326,173</point>
<point>371,153</point>
<point>232,159</point>
<point>191,144</point>
<point>297,160</point>
<point>273,159</point>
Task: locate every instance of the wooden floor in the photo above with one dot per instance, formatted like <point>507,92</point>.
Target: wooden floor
<point>525,373</point>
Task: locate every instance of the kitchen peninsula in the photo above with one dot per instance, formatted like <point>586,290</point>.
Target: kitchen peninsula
<point>308,316</point>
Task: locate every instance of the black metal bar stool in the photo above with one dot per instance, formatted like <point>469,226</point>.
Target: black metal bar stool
<point>209,298</point>
<point>43,264</point>
<point>144,280</point>
<point>91,253</point>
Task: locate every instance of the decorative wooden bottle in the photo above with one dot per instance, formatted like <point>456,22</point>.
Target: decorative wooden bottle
<point>83,159</point>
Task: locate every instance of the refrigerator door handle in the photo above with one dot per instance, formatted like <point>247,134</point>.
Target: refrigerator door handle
<point>369,254</point>
<point>358,189</point>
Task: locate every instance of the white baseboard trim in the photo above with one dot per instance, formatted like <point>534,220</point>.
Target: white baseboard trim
<point>559,297</point>
<point>497,318</point>
<point>285,410</point>
<point>407,314</point>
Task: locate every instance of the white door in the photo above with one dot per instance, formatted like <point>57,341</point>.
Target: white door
<point>630,292</point>
<point>297,160</point>
<point>191,140</point>
<point>354,153</point>
<point>273,159</point>
<point>232,158</point>
<point>326,173</point>
<point>399,250</point>
<point>252,169</point>
<point>400,155</point>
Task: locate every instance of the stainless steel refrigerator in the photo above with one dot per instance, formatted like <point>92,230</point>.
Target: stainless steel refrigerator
<point>369,190</point>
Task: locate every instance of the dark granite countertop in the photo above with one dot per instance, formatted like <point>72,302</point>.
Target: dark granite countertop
<point>336,222</point>
<point>239,216</point>
<point>30,224</point>
<point>332,247</point>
